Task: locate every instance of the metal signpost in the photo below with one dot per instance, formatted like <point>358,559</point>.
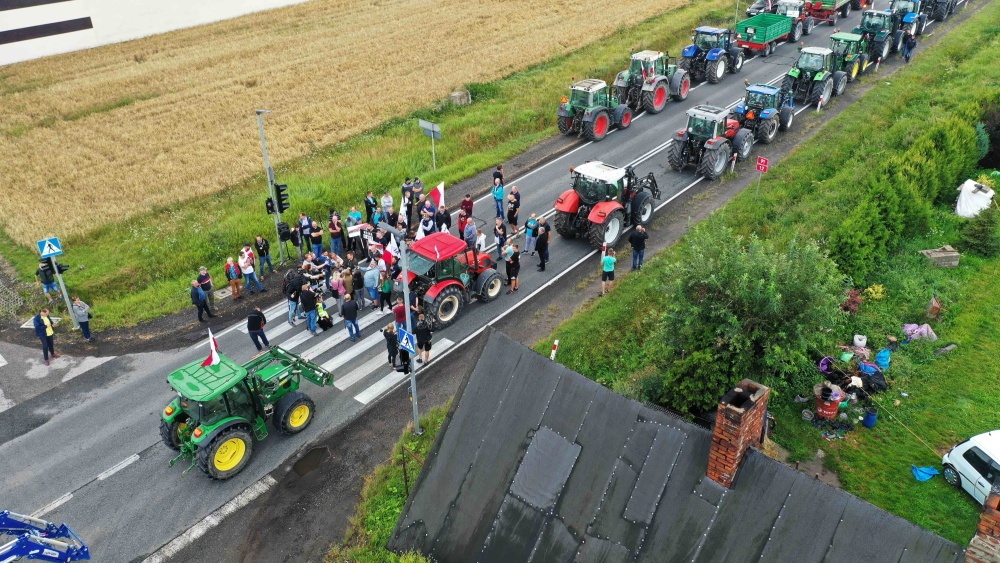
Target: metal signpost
<point>433,131</point>
<point>762,164</point>
<point>50,248</point>
<point>270,183</point>
<point>401,238</point>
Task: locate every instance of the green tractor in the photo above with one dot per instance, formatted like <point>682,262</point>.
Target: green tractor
<point>876,28</point>
<point>814,79</point>
<point>592,110</point>
<point>710,139</point>
<point>220,409</point>
<point>650,80</point>
<point>851,54</point>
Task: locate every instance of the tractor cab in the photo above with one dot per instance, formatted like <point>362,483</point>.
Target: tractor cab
<point>874,22</point>
<point>790,8</point>
<point>814,59</point>
<point>589,93</point>
<point>906,8</point>
<point>595,181</point>
<point>209,394</point>
<point>708,122</point>
<point>759,96</point>
<point>844,44</point>
<point>648,64</point>
<point>708,38</point>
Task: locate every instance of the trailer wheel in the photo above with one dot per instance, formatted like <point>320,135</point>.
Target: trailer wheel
<point>785,117</point>
<point>797,32</point>
<point>655,100</point>
<point>447,306</point>
<point>597,129</point>
<point>565,125</point>
<point>856,4</point>
<point>170,433</point>
<point>675,156</point>
<point>713,163</point>
<point>808,27</point>
<point>833,18</point>
<point>716,70</point>
<point>293,413</point>
<point>768,130</point>
<point>564,224</point>
<point>846,10</point>
<point>609,231</point>
<point>227,454</point>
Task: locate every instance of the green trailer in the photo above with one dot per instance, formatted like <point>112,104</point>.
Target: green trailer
<point>761,32</point>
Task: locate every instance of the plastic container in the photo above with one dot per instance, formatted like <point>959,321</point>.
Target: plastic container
<point>860,340</point>
<point>827,409</point>
<point>846,356</point>
<point>871,417</point>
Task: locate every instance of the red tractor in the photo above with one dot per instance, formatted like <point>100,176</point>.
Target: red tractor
<point>448,275</point>
<point>604,200</point>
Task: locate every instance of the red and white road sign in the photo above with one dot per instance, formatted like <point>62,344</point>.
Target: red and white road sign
<point>761,161</point>
<point>762,168</point>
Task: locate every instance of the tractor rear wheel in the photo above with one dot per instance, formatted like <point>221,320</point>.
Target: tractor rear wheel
<point>897,42</point>
<point>883,49</point>
<point>171,433</point>
<point>856,4</point>
<point>683,86</point>
<point>768,129</point>
<point>840,80</point>
<point>846,10</point>
<point>491,287</point>
<point>565,124</point>
<point>785,117</point>
<point>597,128</point>
<point>293,413</point>
<point>564,224</point>
<point>655,100</point>
<point>820,91</point>
<point>642,208</point>
<point>713,163</point>
<point>684,64</point>
<point>447,305</point>
<point>788,84</point>
<point>940,12</point>
<point>227,454</point>
<point>743,144</point>
<point>716,70</point>
<point>675,156</point>
<point>609,231</point>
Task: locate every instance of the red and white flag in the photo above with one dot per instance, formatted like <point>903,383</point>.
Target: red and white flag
<point>437,195</point>
<point>213,346</point>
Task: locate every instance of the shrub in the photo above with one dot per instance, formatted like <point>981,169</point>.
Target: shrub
<point>982,140</point>
<point>981,234</point>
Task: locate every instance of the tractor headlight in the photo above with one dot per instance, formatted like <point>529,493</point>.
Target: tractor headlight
<point>198,432</point>
<point>169,410</point>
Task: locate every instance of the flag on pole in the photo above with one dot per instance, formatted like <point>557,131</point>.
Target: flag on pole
<point>213,346</point>
<point>437,195</point>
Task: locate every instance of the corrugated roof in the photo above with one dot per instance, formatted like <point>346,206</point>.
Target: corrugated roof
<point>538,463</point>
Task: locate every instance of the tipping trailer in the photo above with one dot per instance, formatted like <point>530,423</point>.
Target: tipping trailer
<point>761,32</point>
<point>828,10</point>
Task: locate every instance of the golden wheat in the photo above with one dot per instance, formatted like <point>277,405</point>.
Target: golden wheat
<point>101,135</point>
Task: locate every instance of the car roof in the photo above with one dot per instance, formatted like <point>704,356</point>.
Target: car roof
<point>712,30</point>
<point>763,89</point>
<point>845,36</point>
<point>589,84</point>
<point>989,442</point>
<point>646,55</point>
<point>600,171</point>
<point>439,246</point>
<point>816,50</point>
<point>204,383</point>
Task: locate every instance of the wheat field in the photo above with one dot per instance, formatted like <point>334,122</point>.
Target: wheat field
<point>98,136</point>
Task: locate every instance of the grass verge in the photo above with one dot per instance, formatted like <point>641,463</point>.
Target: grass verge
<point>383,498</point>
<point>140,269</point>
<point>808,195</point>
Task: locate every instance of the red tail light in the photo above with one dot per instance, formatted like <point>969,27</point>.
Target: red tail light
<point>197,432</point>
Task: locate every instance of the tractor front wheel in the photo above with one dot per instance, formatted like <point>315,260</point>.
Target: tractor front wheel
<point>785,117</point>
<point>293,413</point>
<point>683,86</point>
<point>675,156</point>
<point>743,144</point>
<point>565,125</point>
<point>713,163</point>
<point>227,454</point>
<point>597,128</point>
<point>491,287</point>
<point>564,224</point>
<point>716,70</point>
<point>852,73</point>
<point>447,306</point>
<point>797,32</point>
<point>171,433</point>
<point>625,118</point>
<point>642,208</point>
<point>809,25</point>
<point>840,80</point>
<point>609,231</point>
<point>655,100</point>
<point>768,130</point>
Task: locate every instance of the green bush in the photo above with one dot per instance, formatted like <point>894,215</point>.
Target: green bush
<point>982,140</point>
<point>981,234</point>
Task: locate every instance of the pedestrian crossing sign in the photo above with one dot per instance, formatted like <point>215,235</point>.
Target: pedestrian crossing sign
<point>49,247</point>
<point>407,341</point>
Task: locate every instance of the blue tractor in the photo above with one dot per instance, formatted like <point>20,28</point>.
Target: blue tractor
<point>765,110</point>
<point>713,52</point>
<point>36,539</point>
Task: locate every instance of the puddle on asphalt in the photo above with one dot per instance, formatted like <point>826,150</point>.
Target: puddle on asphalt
<point>311,460</point>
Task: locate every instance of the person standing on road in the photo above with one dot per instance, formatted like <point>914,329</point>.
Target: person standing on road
<point>371,281</point>
<point>293,287</point>
<point>200,301</point>
<point>350,310</point>
<point>247,266</point>
<point>205,280</point>
<point>255,327</point>
<point>391,342</point>
<point>498,197</point>
<point>385,291</point>
<point>530,234</point>
<point>500,233</point>
<point>517,194</point>
<point>513,268</point>
<point>81,311</point>
<point>467,205</point>
<point>480,241</point>
<point>308,300</point>
<point>909,46</point>
<point>513,211</point>
<point>46,332</point>
<point>608,271</point>
<point>423,331</point>
<point>264,254</point>
<point>46,279</point>
<point>638,241</point>
<point>406,199</point>
<point>316,238</point>
<point>506,254</point>
<point>542,247</point>
<point>399,314</point>
<point>359,287</point>
<point>498,175</point>
<point>443,219</point>
<point>233,275</point>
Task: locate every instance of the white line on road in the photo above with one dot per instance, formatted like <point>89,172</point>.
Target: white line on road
<point>212,520</point>
<point>341,335</point>
<point>3,362</point>
<point>52,505</point>
<point>360,372</point>
<point>118,467</point>
<point>353,352</point>
<point>393,378</point>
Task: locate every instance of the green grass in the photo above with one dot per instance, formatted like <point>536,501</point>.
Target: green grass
<point>140,269</point>
<point>808,195</point>
<point>383,498</point>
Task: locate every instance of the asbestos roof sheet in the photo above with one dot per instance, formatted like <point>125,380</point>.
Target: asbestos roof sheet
<point>537,463</point>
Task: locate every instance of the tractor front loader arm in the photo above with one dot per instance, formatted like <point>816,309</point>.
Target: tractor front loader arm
<point>649,183</point>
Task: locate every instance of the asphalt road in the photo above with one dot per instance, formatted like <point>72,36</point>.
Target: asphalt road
<point>91,455</point>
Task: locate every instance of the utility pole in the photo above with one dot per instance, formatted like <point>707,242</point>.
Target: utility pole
<point>270,183</point>
<point>401,237</point>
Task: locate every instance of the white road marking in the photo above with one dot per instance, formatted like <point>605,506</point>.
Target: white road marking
<point>86,365</point>
<point>5,403</point>
<point>353,352</point>
<point>52,505</point>
<point>118,467</point>
<point>393,378</point>
<point>3,362</point>
<point>212,520</point>
<point>360,372</point>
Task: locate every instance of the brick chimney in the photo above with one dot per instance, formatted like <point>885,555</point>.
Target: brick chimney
<point>738,426</point>
<point>985,545</point>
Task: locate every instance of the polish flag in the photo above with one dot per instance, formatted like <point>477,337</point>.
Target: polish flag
<point>437,195</point>
<point>213,346</point>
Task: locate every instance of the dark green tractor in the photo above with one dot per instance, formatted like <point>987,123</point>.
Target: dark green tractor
<point>814,79</point>
<point>650,81</point>
<point>591,110</point>
<point>850,55</point>
<point>876,29</point>
<point>709,141</point>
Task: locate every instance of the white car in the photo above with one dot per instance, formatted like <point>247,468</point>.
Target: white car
<point>973,465</point>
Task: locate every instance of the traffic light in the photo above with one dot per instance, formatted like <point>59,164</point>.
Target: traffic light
<point>61,268</point>
<point>269,205</point>
<point>282,191</point>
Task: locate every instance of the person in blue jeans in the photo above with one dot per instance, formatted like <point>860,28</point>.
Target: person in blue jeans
<point>350,310</point>
<point>307,298</point>
<point>263,253</point>
<point>638,241</point>
<point>498,196</point>
<point>247,266</point>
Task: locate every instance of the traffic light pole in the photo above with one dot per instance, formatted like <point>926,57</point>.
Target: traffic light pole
<point>62,288</point>
<point>269,172</point>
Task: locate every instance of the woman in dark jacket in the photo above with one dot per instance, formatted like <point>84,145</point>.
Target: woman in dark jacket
<point>391,342</point>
